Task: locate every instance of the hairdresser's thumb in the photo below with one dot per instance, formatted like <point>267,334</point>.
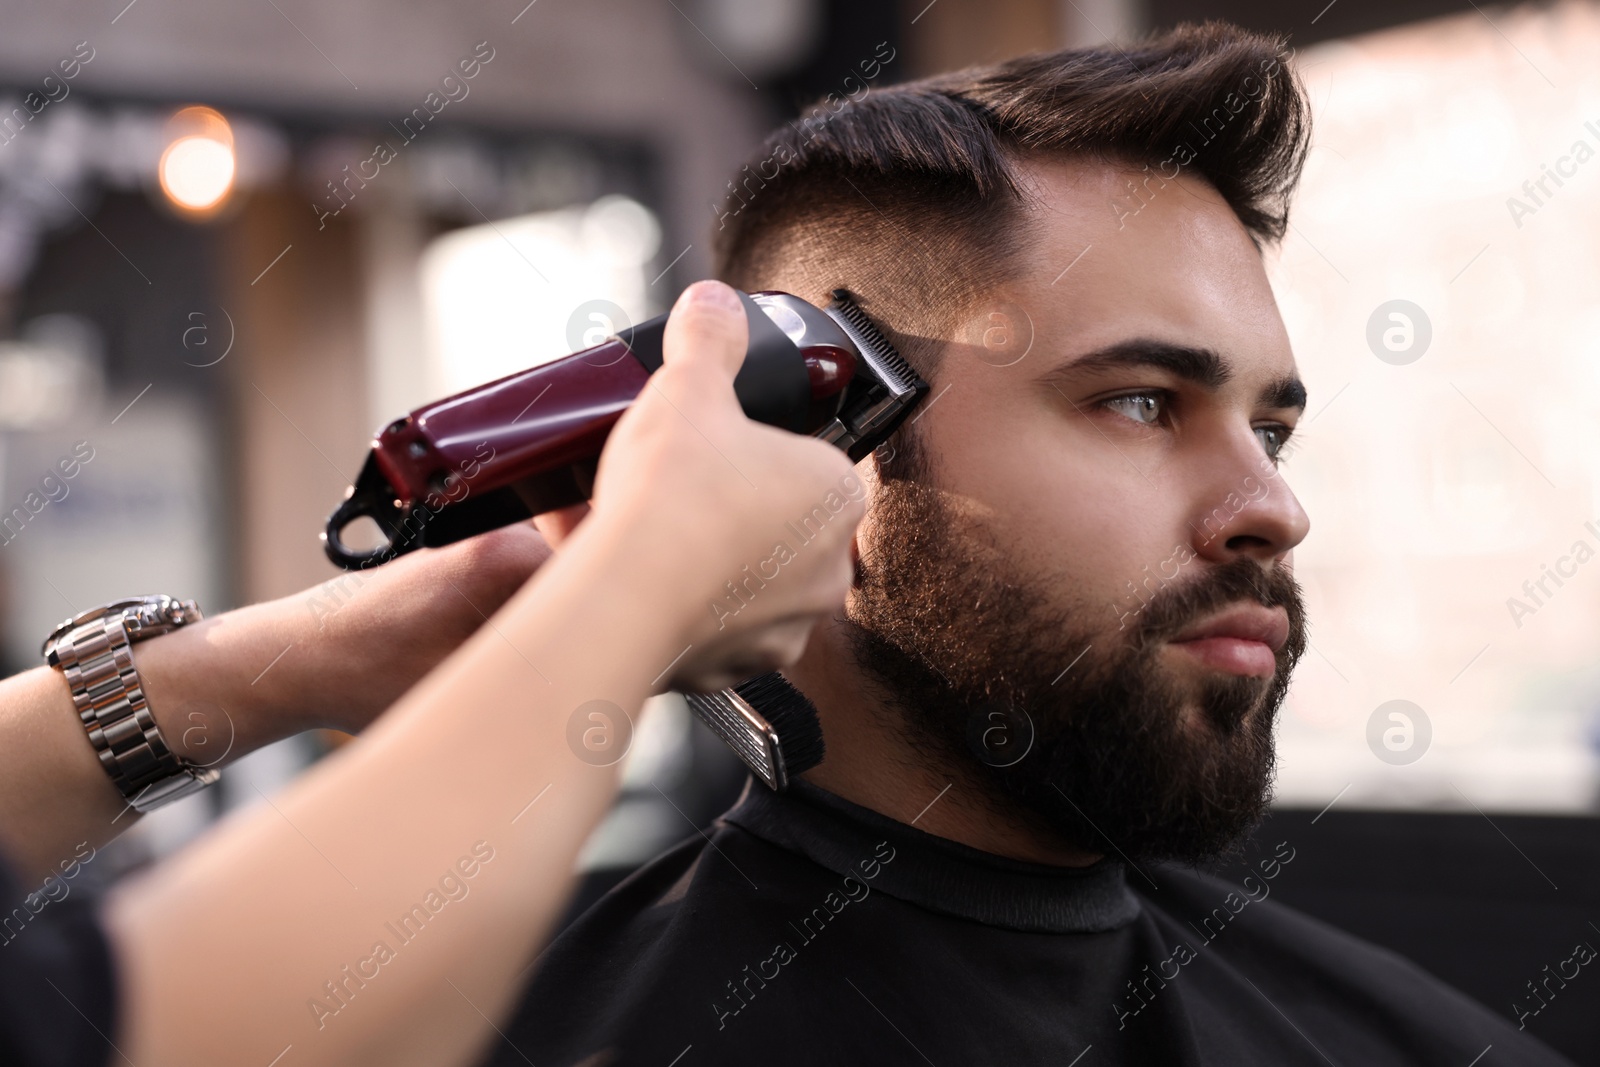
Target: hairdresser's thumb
<point>706,332</point>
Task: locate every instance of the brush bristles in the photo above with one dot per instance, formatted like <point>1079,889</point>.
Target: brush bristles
<point>793,718</point>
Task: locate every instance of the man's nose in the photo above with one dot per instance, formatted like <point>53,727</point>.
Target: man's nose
<point>1244,507</point>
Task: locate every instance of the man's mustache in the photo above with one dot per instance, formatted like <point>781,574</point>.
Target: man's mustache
<point>1178,606</point>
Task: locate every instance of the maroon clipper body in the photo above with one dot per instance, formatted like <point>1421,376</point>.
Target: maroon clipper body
<point>529,443</point>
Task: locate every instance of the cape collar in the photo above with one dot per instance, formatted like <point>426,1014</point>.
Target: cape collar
<point>935,873</point>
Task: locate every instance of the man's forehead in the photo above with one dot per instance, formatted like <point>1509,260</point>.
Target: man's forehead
<point>1114,259</point>
<point>1129,214</point>
<point>1063,183</point>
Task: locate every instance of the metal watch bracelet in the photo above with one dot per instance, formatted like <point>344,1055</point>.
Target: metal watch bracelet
<point>93,652</point>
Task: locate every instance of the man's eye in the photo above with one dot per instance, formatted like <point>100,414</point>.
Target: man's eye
<point>1272,439</point>
<point>1140,407</point>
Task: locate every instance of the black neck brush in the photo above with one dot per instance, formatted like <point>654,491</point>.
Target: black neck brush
<point>767,722</point>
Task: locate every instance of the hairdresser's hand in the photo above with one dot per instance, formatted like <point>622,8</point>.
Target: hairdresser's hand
<point>375,639</point>
<point>689,482</point>
<point>335,655</point>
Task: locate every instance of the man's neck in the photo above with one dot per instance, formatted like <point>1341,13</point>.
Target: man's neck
<point>871,762</point>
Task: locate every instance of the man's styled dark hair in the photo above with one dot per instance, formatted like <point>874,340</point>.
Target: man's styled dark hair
<point>908,194</point>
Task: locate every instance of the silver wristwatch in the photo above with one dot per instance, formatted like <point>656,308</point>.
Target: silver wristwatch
<point>92,651</point>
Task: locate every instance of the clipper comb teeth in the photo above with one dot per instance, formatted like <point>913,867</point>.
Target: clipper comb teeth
<point>885,388</point>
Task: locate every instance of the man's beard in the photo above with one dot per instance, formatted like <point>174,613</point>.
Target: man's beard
<point>1075,728</point>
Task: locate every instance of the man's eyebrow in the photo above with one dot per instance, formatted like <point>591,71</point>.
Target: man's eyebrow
<point>1286,392</point>
<point>1199,365</point>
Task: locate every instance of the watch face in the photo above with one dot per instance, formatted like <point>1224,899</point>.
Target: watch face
<point>144,616</point>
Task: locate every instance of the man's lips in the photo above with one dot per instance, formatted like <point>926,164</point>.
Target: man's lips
<point>1244,639</point>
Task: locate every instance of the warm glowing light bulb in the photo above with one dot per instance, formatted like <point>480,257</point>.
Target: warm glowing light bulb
<point>197,169</point>
<point>197,172</point>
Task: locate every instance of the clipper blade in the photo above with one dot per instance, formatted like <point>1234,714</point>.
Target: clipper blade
<point>885,388</point>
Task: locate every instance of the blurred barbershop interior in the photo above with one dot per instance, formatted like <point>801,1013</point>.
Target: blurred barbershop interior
<point>234,240</point>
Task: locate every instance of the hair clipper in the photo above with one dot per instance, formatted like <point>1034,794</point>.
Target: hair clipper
<point>529,443</point>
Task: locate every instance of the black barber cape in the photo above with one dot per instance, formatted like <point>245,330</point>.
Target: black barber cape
<point>806,930</point>
<point>57,983</point>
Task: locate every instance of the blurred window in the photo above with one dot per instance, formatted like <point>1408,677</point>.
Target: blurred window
<point>514,293</point>
<point>1442,293</point>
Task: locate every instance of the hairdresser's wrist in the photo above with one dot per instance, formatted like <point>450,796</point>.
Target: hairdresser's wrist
<point>221,688</point>
<point>652,572</point>
<point>211,686</point>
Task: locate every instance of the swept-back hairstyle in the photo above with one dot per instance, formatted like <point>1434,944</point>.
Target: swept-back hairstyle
<point>908,195</point>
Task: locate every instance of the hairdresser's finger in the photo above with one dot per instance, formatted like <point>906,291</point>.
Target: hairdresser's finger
<point>557,526</point>
<point>366,643</point>
<point>812,592</point>
<point>706,332</point>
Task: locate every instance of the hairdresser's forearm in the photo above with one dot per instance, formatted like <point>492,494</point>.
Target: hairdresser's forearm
<point>336,655</point>
<point>55,795</point>
<point>253,921</point>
